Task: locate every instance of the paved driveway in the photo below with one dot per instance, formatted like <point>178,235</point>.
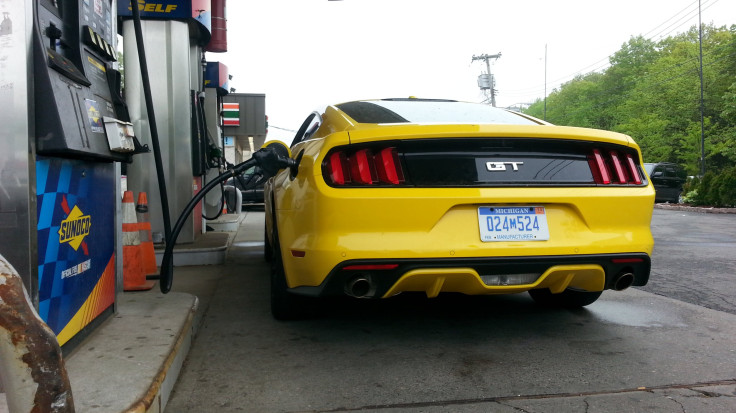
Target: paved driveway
<point>630,351</point>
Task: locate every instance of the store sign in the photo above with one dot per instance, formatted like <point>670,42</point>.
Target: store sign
<point>231,114</point>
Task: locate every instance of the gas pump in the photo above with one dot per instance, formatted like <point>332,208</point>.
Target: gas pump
<point>65,244</point>
<point>175,33</point>
<point>66,132</point>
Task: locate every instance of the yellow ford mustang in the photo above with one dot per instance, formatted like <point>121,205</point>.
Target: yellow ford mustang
<point>439,196</point>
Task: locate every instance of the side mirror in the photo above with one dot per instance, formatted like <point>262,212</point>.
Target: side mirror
<point>657,174</point>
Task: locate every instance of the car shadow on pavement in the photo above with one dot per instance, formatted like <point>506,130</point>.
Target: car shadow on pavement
<point>513,315</point>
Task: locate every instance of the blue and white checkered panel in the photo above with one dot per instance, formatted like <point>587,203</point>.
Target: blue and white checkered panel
<point>90,187</point>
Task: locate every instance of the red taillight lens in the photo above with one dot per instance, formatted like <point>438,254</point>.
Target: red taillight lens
<point>610,167</point>
<point>363,167</point>
<point>337,168</point>
<point>600,169</point>
<point>389,168</point>
<point>633,169</point>
<point>620,173</point>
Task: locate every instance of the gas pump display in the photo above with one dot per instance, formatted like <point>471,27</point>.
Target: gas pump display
<point>74,44</point>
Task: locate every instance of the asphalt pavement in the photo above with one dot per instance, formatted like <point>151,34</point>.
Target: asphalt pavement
<point>694,257</point>
<point>631,351</point>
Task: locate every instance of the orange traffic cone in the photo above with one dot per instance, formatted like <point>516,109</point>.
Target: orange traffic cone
<point>148,254</point>
<point>133,277</point>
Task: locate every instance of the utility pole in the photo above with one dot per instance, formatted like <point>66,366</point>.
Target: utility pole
<point>487,82</point>
<point>702,105</point>
<point>545,81</point>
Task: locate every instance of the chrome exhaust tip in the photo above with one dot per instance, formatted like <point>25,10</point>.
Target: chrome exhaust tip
<point>623,281</point>
<point>360,286</point>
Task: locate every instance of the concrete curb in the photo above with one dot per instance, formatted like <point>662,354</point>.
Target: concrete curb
<point>158,394</point>
<point>701,210</point>
<point>133,361</point>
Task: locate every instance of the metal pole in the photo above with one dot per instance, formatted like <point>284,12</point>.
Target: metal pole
<point>702,105</point>
<point>487,57</point>
<point>490,78</point>
<point>545,81</point>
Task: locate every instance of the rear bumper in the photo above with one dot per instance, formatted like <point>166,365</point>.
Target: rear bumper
<point>477,276</point>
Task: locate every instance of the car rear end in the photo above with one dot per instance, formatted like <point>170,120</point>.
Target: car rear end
<point>476,209</point>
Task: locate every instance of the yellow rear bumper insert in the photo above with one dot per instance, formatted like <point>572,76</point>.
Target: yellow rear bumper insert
<point>432,281</point>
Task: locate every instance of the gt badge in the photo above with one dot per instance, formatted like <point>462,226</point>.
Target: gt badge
<point>501,166</point>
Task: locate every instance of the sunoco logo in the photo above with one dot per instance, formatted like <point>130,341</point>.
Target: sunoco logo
<point>74,228</point>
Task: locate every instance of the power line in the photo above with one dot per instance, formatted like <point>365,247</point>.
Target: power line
<point>649,87</point>
<point>284,129</point>
<point>598,65</point>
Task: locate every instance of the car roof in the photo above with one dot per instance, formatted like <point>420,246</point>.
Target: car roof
<point>430,111</point>
<point>385,119</point>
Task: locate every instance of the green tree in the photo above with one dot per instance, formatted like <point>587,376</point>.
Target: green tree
<point>651,91</point>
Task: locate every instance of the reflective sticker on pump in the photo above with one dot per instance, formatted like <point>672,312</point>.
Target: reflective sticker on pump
<point>96,64</point>
<point>98,7</point>
<point>92,35</point>
<point>93,114</point>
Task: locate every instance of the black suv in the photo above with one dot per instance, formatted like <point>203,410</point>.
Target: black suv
<point>668,179</point>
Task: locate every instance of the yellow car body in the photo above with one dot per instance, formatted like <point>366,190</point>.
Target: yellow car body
<point>378,240</point>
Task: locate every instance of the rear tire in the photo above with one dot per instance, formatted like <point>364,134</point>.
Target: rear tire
<point>267,249</point>
<point>566,299</point>
<point>284,305</point>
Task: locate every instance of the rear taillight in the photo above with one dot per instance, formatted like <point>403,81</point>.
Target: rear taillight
<point>611,167</point>
<point>599,168</point>
<point>389,167</point>
<point>337,165</point>
<point>636,178</point>
<point>363,167</point>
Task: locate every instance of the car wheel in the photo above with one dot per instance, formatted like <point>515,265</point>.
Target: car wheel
<point>267,249</point>
<point>284,305</point>
<point>566,299</point>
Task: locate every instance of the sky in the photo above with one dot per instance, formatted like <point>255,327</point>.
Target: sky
<point>305,54</point>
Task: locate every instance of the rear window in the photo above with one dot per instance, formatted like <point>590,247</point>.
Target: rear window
<point>430,112</point>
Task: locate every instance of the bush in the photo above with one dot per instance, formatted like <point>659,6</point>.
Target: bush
<point>718,190</point>
<point>712,196</point>
<point>691,184</point>
<point>690,197</point>
<point>727,188</point>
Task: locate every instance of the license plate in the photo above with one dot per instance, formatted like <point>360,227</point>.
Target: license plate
<point>519,223</point>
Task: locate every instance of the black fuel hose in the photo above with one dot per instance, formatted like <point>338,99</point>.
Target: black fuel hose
<point>269,161</point>
<point>223,203</point>
<point>151,120</point>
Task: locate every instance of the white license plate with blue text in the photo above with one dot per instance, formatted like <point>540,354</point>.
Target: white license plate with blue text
<point>518,223</point>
